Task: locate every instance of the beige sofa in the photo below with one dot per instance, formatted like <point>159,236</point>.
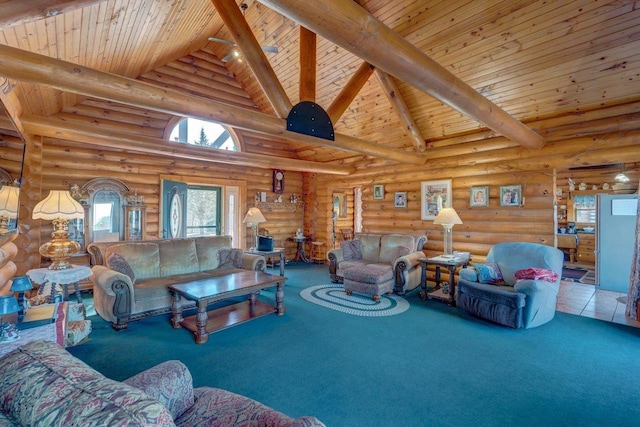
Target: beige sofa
<point>396,252</point>
<point>122,296</point>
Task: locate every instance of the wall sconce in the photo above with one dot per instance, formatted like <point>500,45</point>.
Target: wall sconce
<point>8,206</point>
<point>252,219</point>
<point>8,330</point>
<point>448,217</point>
<point>21,284</point>
<point>59,207</point>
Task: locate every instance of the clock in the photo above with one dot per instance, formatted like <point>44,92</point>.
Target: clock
<point>278,181</point>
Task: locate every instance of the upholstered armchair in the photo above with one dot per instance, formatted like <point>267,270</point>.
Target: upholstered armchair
<point>525,294</point>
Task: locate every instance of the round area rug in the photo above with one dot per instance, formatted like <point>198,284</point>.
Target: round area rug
<point>334,297</point>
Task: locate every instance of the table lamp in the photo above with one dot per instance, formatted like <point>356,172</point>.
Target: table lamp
<point>8,206</point>
<point>448,217</point>
<point>252,219</point>
<point>59,207</point>
<point>21,284</point>
<point>8,330</point>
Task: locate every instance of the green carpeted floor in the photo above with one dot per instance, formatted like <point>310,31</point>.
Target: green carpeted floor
<point>431,365</point>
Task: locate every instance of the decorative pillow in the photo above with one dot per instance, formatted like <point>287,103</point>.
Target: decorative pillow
<point>489,273</point>
<point>229,258</point>
<point>351,249</point>
<point>118,263</point>
<point>536,274</point>
<point>402,251</point>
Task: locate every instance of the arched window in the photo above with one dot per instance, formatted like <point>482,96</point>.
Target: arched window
<point>206,134</point>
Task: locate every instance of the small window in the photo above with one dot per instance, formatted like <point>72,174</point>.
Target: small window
<point>203,133</point>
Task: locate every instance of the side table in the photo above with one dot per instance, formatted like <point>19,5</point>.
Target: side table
<point>69,276</point>
<point>447,292</point>
<point>275,252</point>
<point>300,254</point>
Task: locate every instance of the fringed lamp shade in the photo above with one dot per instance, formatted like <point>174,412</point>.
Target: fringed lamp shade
<point>252,219</point>
<point>59,207</point>
<point>8,206</point>
<point>448,217</point>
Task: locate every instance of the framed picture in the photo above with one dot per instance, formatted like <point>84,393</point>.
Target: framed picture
<point>434,195</point>
<point>400,200</point>
<point>340,205</point>
<point>378,192</point>
<point>510,195</point>
<point>479,196</point>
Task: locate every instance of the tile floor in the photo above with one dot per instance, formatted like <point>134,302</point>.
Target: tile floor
<point>590,301</point>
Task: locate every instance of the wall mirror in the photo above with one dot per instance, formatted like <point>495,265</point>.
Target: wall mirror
<point>105,199</point>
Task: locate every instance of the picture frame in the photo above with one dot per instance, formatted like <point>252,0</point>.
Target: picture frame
<point>400,199</point>
<point>510,195</point>
<point>378,192</point>
<point>434,195</point>
<point>479,196</point>
<point>340,205</point>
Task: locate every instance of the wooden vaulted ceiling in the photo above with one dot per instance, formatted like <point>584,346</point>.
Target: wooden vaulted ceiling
<point>494,60</point>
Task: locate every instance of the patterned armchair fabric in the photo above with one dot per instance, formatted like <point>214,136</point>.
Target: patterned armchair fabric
<point>43,385</point>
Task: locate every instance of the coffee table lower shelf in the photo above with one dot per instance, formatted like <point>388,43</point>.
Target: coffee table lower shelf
<point>224,317</point>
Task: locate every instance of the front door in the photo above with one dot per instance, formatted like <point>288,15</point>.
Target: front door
<point>174,209</point>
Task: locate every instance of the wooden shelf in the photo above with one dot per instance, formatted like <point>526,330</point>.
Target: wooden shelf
<point>283,206</point>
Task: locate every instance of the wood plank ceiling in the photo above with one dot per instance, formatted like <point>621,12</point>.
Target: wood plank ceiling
<point>533,59</point>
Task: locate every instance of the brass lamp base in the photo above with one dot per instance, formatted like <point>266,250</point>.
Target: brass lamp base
<point>60,248</point>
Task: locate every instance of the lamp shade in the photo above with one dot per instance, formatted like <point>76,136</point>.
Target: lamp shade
<point>8,304</point>
<point>9,201</point>
<point>21,284</point>
<point>58,204</point>
<point>447,216</point>
<point>254,217</point>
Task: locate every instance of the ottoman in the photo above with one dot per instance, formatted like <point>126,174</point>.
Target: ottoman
<point>370,279</point>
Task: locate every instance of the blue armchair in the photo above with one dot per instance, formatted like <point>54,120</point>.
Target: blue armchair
<point>525,303</point>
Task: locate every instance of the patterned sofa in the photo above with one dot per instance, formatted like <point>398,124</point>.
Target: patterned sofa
<point>390,256</point>
<point>133,282</point>
<point>44,385</point>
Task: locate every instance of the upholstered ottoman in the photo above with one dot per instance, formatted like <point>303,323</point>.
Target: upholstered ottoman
<point>370,279</point>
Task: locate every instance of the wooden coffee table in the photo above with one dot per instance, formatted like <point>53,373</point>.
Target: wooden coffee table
<point>210,290</point>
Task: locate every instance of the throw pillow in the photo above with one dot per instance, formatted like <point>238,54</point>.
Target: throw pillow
<point>118,263</point>
<point>229,258</point>
<point>351,249</point>
<point>489,273</point>
<point>536,274</point>
<point>402,251</point>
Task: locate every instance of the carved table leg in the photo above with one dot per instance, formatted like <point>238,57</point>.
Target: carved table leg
<point>176,310</point>
<point>280,298</point>
<point>201,323</point>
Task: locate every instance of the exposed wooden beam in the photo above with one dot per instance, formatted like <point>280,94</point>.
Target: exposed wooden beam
<point>308,70</point>
<point>253,55</point>
<point>351,27</point>
<point>349,92</point>
<point>13,107</point>
<point>13,12</point>
<point>31,67</point>
<point>397,102</point>
<point>112,140</point>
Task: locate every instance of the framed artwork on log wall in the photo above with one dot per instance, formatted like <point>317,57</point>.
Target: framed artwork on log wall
<point>378,192</point>
<point>434,196</point>
<point>479,196</point>
<point>510,195</point>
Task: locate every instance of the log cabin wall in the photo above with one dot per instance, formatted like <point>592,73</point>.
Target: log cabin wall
<point>65,163</point>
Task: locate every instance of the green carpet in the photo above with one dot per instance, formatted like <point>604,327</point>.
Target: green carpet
<point>430,365</point>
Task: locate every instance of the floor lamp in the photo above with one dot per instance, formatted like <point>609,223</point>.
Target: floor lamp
<point>448,217</point>
<point>252,219</point>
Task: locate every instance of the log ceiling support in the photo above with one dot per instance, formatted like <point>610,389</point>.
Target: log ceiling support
<point>349,92</point>
<point>122,141</point>
<point>308,70</point>
<point>397,102</point>
<point>351,27</point>
<point>20,12</point>
<point>254,56</point>
<point>13,107</point>
<point>31,67</point>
